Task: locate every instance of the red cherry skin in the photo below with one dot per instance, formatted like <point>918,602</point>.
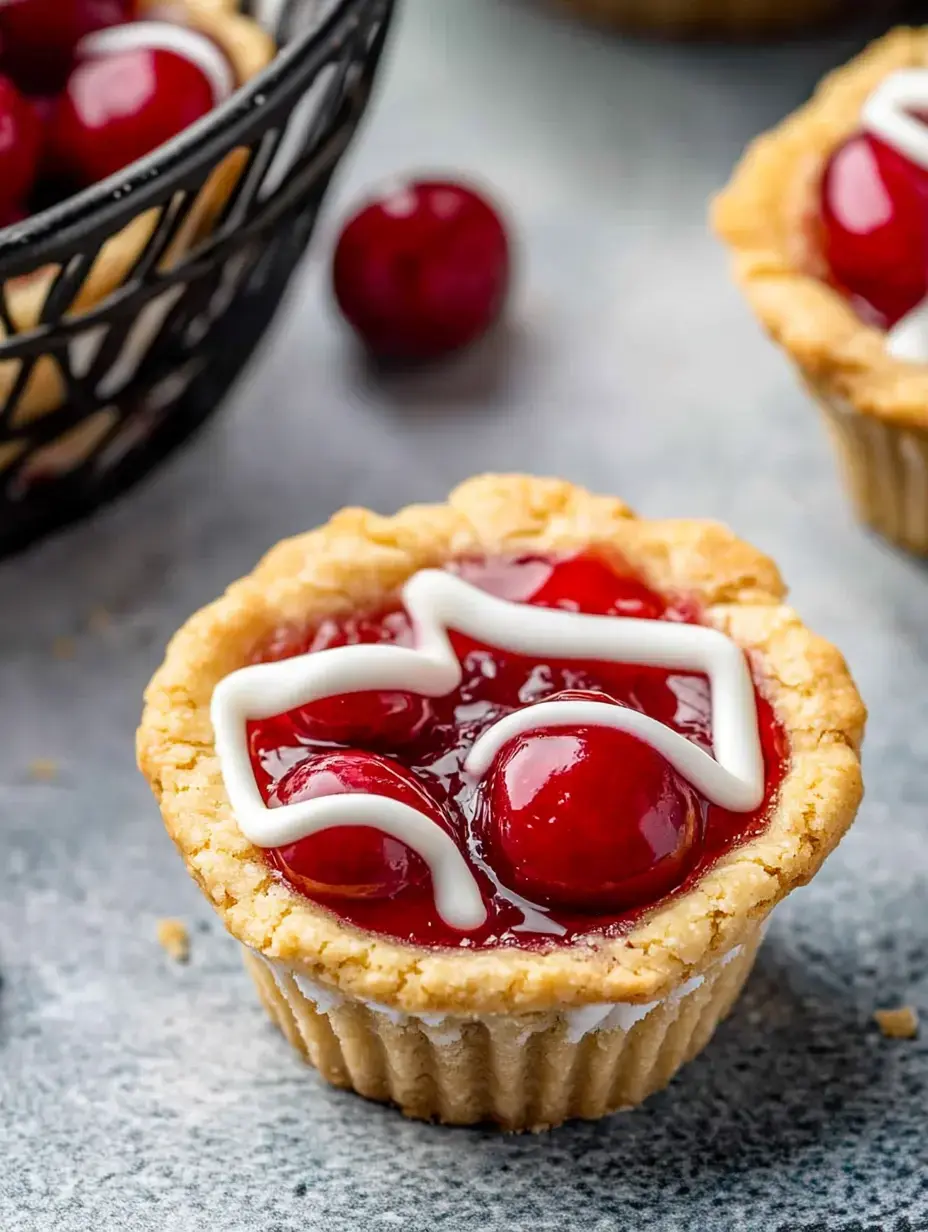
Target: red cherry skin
<point>39,37</point>
<point>119,107</point>
<point>423,270</point>
<point>583,584</point>
<point>874,220</point>
<point>12,214</point>
<point>591,819</point>
<point>379,720</point>
<point>20,147</point>
<point>351,861</point>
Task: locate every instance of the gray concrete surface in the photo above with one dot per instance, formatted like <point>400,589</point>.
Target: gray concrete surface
<point>137,1094</point>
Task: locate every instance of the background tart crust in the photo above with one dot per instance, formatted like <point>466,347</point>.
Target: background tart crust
<point>357,561</point>
<point>764,216</point>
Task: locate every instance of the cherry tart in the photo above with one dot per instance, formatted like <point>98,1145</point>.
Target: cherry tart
<point>827,217</point>
<point>476,782</point>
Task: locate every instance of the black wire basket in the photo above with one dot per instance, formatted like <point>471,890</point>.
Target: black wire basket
<point>95,391</point>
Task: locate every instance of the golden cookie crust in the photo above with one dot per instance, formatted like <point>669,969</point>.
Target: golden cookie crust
<point>763,214</point>
<point>360,559</point>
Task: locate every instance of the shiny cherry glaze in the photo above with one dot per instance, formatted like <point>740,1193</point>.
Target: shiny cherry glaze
<point>598,868</point>
<point>20,148</point>
<point>422,270</point>
<point>38,37</point>
<point>360,862</point>
<point>874,228</point>
<point>120,106</point>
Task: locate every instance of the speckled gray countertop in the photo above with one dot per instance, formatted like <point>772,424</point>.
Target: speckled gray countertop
<point>138,1094</point>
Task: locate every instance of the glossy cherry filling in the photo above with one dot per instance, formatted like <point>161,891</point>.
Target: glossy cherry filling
<point>574,830</point>
<point>874,228</point>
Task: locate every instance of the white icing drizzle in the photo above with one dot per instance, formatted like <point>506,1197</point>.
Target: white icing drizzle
<point>436,602</point>
<point>166,36</point>
<point>887,114</point>
<point>446,1028</point>
<point>736,789</point>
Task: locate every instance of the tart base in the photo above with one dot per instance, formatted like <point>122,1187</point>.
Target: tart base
<point>695,17</point>
<point>519,1071</point>
<point>884,468</point>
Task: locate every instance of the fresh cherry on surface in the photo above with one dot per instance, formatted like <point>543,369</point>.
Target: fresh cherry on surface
<point>118,107</point>
<point>590,819</point>
<point>874,216</point>
<point>351,861</point>
<point>39,37</point>
<point>423,270</point>
<point>20,148</point>
<point>373,719</point>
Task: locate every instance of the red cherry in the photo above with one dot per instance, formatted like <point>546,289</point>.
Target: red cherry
<point>12,214</point>
<point>591,819</point>
<point>875,227</point>
<point>20,146</point>
<point>382,719</point>
<point>119,107</point>
<point>423,270</point>
<point>39,37</point>
<point>351,861</point>
<point>588,584</point>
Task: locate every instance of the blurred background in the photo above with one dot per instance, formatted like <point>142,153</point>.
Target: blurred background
<point>627,361</point>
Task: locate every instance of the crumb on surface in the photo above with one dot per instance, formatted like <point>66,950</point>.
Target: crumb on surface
<point>64,648</point>
<point>43,769</point>
<point>900,1023</point>
<point>174,939</point>
<point>98,619</point>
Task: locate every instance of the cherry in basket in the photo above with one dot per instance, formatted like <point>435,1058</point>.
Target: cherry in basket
<point>39,37</point>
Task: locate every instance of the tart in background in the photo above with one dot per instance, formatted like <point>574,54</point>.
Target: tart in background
<point>826,218</point>
<point>730,18</point>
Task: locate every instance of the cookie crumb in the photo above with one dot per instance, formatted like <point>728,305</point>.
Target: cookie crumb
<point>64,648</point>
<point>901,1023</point>
<point>43,769</point>
<point>174,939</point>
<point>98,619</point>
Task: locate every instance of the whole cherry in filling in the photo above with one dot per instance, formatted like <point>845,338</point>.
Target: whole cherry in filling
<point>874,222</point>
<point>377,720</point>
<point>567,803</point>
<point>359,862</point>
<point>572,831</point>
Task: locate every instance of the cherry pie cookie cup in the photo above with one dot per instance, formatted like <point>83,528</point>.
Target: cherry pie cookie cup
<point>735,18</point>
<point>528,885</point>
<point>246,49</point>
<point>828,222</point>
